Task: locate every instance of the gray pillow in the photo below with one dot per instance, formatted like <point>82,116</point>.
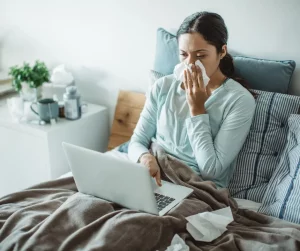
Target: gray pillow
<point>264,145</point>
<point>282,198</point>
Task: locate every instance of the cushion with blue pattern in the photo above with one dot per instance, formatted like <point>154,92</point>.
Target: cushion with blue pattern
<point>123,148</point>
<point>282,198</point>
<point>264,145</point>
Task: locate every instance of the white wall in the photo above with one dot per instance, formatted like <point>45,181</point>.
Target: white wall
<point>109,45</point>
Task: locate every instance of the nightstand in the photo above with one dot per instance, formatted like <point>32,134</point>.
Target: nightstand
<point>30,154</point>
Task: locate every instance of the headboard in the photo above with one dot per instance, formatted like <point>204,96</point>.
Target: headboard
<point>127,113</point>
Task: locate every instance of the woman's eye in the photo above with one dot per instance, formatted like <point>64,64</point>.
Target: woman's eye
<point>183,55</point>
<point>201,56</point>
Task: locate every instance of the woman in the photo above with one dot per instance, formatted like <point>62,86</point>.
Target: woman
<point>205,127</point>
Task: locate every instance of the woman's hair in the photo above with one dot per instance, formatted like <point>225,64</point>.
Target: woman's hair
<point>213,29</point>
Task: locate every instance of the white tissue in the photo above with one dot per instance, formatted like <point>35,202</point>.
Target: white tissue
<point>179,71</point>
<point>20,111</point>
<point>178,244</point>
<point>60,76</point>
<point>208,226</point>
<point>15,107</point>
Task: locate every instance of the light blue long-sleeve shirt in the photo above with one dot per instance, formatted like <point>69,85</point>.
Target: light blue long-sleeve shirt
<point>208,143</point>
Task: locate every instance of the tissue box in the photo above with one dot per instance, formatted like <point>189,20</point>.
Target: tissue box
<point>50,89</point>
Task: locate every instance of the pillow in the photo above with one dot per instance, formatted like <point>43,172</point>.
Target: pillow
<point>264,145</point>
<point>166,55</point>
<point>282,196</point>
<point>123,148</point>
<point>265,75</point>
<point>260,74</point>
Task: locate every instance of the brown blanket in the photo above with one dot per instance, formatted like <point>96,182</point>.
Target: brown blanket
<point>54,216</point>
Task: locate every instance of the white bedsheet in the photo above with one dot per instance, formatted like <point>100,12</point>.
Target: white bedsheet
<point>243,204</point>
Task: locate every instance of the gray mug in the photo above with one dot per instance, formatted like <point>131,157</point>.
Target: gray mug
<point>47,109</point>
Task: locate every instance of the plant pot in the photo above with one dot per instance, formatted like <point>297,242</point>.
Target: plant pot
<point>30,94</point>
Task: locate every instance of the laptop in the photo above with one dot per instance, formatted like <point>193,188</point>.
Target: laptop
<point>121,181</point>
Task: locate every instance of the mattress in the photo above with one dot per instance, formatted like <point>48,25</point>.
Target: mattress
<point>242,203</point>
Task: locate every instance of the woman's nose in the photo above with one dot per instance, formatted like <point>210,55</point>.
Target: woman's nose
<point>190,60</point>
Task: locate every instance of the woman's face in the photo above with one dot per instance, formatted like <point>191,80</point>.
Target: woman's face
<point>193,47</point>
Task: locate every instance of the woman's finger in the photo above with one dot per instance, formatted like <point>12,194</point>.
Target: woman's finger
<point>158,178</point>
<point>194,73</point>
<point>153,173</point>
<point>189,80</point>
<point>200,78</point>
<point>195,77</point>
<point>194,70</point>
<point>185,80</point>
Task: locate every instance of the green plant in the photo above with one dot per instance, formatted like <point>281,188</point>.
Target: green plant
<point>34,76</point>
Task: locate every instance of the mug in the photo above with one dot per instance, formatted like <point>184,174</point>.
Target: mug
<point>47,109</point>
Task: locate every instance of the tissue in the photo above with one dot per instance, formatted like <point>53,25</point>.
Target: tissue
<point>20,111</point>
<point>208,226</point>
<point>15,107</point>
<point>178,244</point>
<point>60,76</point>
<point>179,71</point>
<point>60,79</point>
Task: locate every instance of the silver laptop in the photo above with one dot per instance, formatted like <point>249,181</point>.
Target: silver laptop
<point>124,182</point>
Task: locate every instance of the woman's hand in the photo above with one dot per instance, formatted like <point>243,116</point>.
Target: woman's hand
<point>196,94</point>
<point>149,161</point>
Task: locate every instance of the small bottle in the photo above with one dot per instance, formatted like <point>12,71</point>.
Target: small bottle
<point>61,109</point>
<point>72,103</point>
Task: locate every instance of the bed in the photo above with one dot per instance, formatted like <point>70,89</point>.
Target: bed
<point>55,216</point>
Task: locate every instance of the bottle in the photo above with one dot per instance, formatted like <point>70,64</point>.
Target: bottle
<point>61,109</point>
<point>72,108</point>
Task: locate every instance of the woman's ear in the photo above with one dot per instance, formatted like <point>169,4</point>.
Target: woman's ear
<point>224,51</point>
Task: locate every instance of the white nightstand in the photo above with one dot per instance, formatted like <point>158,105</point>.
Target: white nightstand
<point>30,154</point>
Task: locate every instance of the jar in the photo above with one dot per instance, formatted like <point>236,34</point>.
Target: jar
<point>72,108</point>
<point>61,109</point>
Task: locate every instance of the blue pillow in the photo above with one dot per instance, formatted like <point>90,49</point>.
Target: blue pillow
<point>123,148</point>
<point>265,75</point>
<point>166,55</point>
<point>282,198</point>
<point>260,74</point>
<point>260,154</point>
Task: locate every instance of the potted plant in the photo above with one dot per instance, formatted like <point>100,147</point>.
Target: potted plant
<point>28,80</point>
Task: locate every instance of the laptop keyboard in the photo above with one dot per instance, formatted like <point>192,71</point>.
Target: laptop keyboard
<point>162,201</point>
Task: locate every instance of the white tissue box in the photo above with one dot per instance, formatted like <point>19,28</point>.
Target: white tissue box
<point>50,89</point>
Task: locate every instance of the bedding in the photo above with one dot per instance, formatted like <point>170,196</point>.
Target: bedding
<point>264,145</point>
<point>54,216</point>
<point>282,195</point>
<point>260,74</point>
